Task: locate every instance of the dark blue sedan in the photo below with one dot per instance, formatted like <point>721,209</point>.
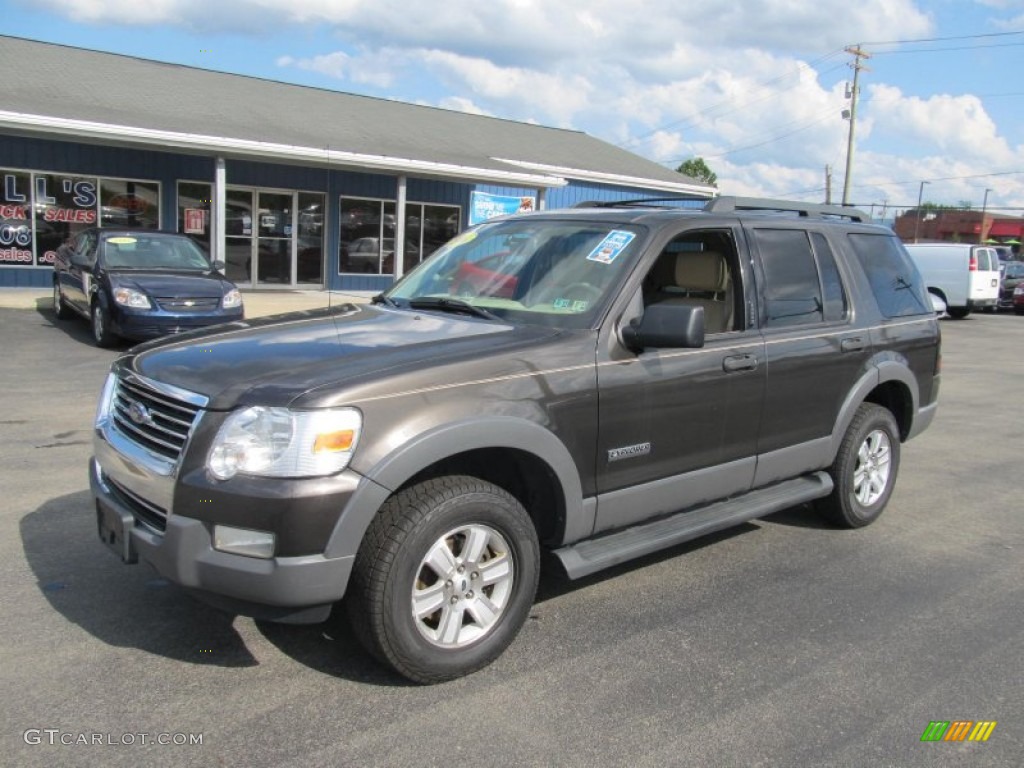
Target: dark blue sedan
<point>140,284</point>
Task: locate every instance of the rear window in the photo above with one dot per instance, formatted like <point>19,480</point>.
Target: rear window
<point>894,279</point>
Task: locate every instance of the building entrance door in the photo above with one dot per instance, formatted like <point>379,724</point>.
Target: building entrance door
<point>274,238</point>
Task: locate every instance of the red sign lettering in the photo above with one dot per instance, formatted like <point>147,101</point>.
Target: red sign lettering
<point>15,256</point>
<point>70,215</point>
<point>13,212</point>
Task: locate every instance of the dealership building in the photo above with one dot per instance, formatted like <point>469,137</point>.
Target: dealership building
<point>290,186</point>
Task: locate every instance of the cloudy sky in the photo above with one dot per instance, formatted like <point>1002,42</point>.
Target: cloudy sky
<point>756,87</point>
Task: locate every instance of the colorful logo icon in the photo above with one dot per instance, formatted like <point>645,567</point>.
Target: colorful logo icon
<point>958,730</point>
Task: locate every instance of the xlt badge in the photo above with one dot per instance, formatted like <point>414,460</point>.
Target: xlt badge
<point>629,451</point>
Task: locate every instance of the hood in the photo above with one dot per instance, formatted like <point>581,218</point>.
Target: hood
<point>277,360</point>
<point>168,285</point>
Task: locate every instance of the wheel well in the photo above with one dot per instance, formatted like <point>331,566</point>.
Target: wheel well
<point>896,398</point>
<point>529,479</point>
<point>938,292</point>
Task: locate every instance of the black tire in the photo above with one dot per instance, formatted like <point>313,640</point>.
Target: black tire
<point>440,515</point>
<point>1018,311</point>
<point>852,504</point>
<point>958,313</point>
<point>60,309</point>
<point>100,322</point>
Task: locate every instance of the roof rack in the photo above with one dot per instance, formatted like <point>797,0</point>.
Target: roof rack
<point>638,202</point>
<point>808,210</point>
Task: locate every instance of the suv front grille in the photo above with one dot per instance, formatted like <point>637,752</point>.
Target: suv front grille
<point>155,420</point>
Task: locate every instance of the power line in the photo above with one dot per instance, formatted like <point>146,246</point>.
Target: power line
<point>942,39</point>
<point>951,48</point>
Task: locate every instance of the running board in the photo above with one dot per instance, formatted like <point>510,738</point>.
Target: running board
<point>587,557</point>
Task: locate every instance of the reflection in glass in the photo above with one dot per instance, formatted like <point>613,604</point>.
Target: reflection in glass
<point>129,204</point>
<point>239,260</point>
<point>274,264</point>
<point>194,202</point>
<point>310,266</point>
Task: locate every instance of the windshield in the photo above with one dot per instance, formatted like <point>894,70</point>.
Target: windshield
<point>1014,270</point>
<point>150,252</point>
<point>532,270</point>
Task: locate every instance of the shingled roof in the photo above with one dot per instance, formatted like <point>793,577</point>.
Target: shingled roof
<point>88,95</point>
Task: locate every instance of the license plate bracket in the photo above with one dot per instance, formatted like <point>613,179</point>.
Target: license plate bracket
<point>115,528</point>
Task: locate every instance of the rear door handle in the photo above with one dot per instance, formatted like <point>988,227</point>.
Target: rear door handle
<point>739,363</point>
<point>852,345</point>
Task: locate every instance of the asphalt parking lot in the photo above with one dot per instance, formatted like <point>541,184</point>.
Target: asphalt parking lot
<point>781,643</point>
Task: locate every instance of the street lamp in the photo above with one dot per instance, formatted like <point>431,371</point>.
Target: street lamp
<point>917,222</point>
<point>984,205</point>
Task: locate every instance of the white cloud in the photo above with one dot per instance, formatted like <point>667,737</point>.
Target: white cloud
<point>754,86</point>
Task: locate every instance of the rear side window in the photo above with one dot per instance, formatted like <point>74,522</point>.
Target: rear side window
<point>831,282</point>
<point>792,290</point>
<point>895,281</point>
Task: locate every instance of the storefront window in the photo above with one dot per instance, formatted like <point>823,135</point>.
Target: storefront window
<point>129,204</point>
<point>64,206</point>
<point>310,267</point>
<point>194,211</point>
<point>368,234</point>
<point>40,211</point>
<point>15,222</point>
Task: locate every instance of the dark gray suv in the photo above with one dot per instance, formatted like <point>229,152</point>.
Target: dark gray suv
<point>601,382</point>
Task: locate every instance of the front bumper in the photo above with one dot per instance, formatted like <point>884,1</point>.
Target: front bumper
<point>292,589</point>
<point>151,324</point>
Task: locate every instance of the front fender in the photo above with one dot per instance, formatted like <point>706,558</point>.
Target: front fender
<point>445,441</point>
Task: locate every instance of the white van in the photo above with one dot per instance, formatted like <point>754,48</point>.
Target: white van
<point>964,276</point>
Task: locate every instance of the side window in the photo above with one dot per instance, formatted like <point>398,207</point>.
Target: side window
<point>85,244</point>
<point>698,268</point>
<point>895,281</point>
<point>831,282</point>
<point>792,290</point>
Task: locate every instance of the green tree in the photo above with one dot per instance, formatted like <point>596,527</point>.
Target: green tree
<point>697,169</point>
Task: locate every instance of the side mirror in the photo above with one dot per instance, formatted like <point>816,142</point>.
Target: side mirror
<point>219,265</point>
<point>79,260</point>
<point>666,325</point>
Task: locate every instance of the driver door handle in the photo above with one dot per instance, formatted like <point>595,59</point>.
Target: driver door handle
<point>735,363</point>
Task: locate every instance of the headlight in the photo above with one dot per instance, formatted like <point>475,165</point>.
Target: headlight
<point>1019,290</point>
<point>129,297</point>
<point>106,401</point>
<point>232,299</point>
<point>279,442</point>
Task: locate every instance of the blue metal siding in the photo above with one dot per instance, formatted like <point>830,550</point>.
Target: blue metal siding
<point>168,168</point>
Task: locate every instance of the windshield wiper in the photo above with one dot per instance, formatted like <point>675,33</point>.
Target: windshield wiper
<point>457,306</point>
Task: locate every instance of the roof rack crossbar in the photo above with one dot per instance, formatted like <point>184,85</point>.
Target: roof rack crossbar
<point>728,204</point>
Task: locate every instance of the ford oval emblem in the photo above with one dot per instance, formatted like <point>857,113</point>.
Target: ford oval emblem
<point>139,413</point>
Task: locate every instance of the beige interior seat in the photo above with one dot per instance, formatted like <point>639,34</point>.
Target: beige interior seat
<point>701,278</point>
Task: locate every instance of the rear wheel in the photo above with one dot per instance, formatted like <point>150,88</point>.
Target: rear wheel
<point>864,472</point>
<point>444,578</point>
<point>958,313</point>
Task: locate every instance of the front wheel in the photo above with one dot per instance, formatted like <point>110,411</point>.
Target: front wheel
<point>445,578</point>
<point>60,309</point>
<point>101,332</point>
<point>864,472</point>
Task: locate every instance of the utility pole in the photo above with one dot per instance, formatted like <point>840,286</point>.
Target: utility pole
<point>984,206</point>
<point>857,54</point>
<point>917,219</point>
<point>828,185</point>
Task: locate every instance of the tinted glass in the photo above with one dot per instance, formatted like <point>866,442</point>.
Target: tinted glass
<point>129,204</point>
<point>984,259</point>
<point>894,279</point>
<point>792,288</point>
<point>831,282</point>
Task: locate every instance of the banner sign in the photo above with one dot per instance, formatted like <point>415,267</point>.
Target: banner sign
<point>195,221</point>
<point>484,206</point>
